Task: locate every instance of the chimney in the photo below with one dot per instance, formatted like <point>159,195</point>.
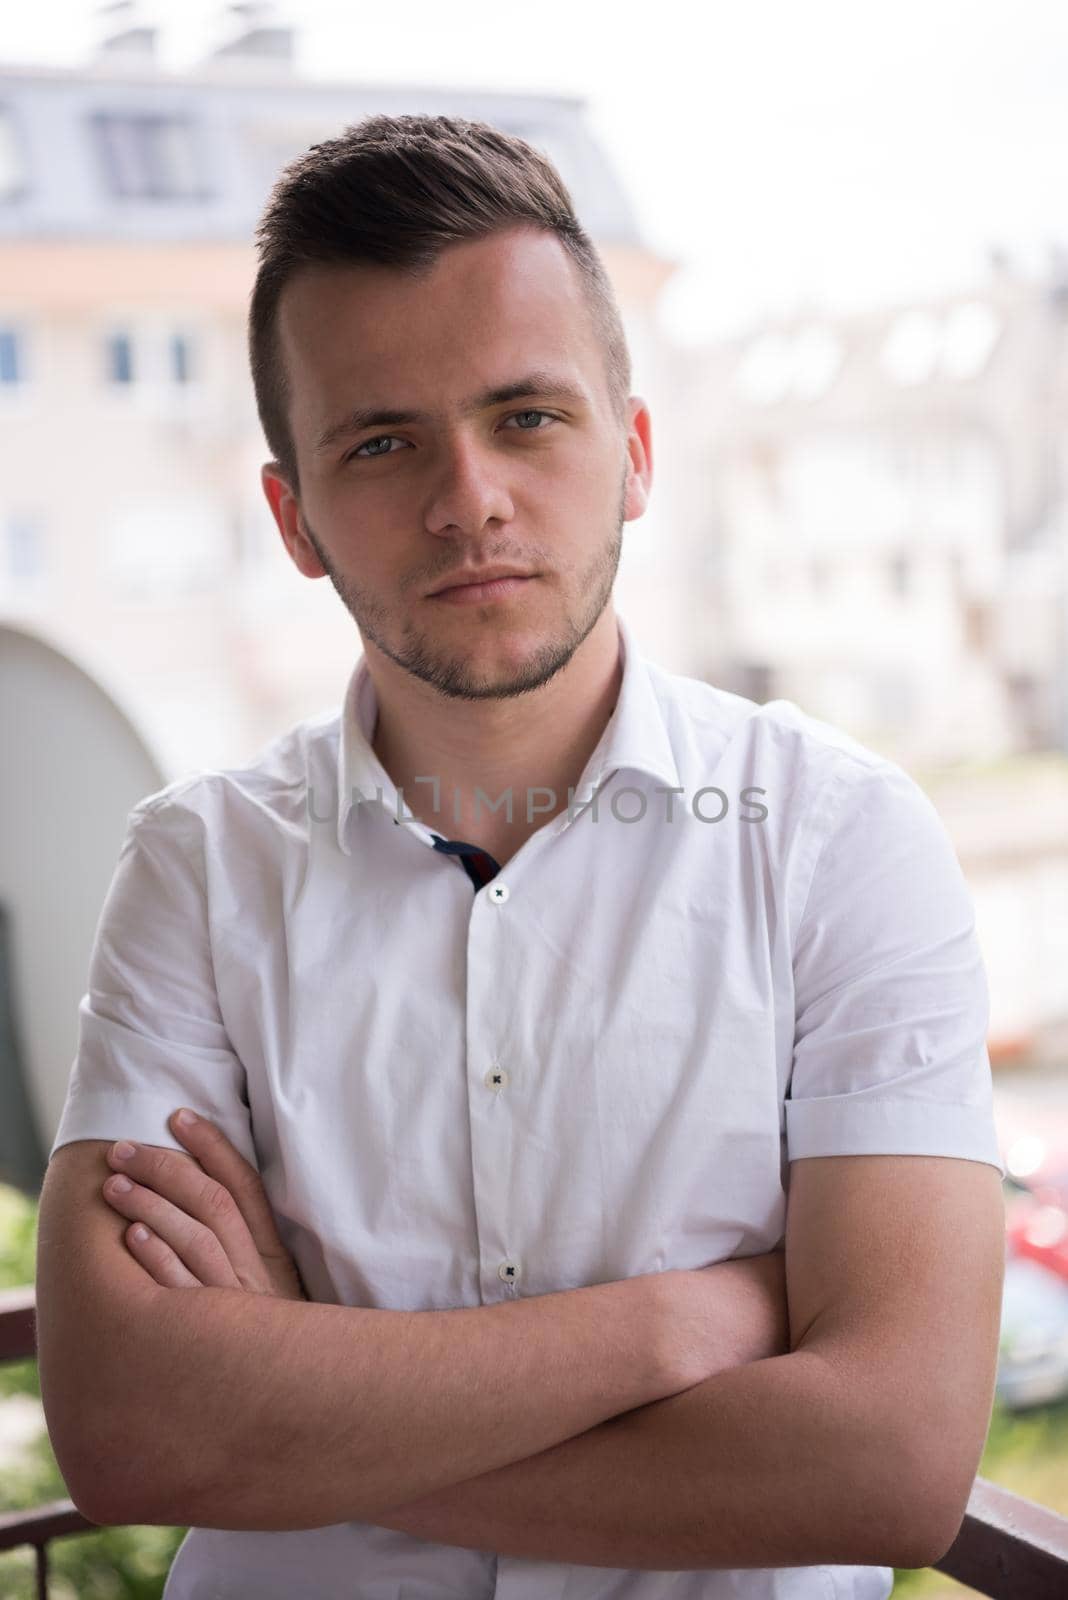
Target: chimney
<point>126,41</point>
<point>262,45</point>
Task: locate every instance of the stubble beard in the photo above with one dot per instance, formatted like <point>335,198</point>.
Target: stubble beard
<point>453,676</point>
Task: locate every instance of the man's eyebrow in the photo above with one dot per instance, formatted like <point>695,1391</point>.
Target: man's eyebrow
<point>538,384</point>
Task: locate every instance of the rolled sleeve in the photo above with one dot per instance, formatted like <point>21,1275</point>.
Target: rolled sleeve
<point>150,1034</point>
<point>891,997</point>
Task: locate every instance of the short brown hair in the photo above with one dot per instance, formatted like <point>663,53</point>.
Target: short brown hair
<point>396,191</point>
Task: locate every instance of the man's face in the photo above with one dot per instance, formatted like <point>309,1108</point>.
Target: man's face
<point>541,482</point>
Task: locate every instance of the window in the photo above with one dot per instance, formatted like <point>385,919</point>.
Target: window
<point>804,365</point>
<point>911,348</point>
<point>817,358</point>
<point>157,354</point>
<point>921,346</point>
<point>764,371</point>
<point>10,357</point>
<point>148,157</point>
<point>25,558</point>
<point>120,362</point>
<point>12,166</point>
<point>181,355</point>
<point>972,330</point>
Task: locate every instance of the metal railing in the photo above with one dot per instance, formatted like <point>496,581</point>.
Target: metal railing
<point>1007,1547</point>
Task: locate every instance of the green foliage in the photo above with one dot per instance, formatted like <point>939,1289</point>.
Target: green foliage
<point>18,1266</point>
<point>18,1238</point>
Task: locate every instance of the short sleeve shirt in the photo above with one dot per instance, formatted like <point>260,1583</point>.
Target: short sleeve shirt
<point>746,940</point>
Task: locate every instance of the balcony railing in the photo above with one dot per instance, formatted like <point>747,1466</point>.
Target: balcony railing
<point>1007,1547</point>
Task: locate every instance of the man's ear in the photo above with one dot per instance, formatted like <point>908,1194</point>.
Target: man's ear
<point>285,508</point>
<point>639,479</point>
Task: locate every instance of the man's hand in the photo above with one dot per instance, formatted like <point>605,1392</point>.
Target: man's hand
<point>207,1219</point>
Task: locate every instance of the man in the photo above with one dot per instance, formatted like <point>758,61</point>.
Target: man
<point>516,1002</point>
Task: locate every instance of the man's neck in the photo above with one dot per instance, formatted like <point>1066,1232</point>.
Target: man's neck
<point>524,746</point>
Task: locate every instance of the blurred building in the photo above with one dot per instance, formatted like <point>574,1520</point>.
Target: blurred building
<point>864,514</point>
<point>883,534</point>
<point>134,533</point>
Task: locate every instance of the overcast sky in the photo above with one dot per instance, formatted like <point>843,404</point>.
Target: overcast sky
<point>835,153</point>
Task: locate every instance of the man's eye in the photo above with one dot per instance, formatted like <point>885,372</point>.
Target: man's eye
<point>531,414</point>
<point>389,438</point>
<point>385,438</point>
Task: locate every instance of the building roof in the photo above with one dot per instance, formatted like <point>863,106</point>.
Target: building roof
<point>126,150</point>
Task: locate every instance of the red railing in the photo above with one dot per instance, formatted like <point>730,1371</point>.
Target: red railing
<point>1007,1547</point>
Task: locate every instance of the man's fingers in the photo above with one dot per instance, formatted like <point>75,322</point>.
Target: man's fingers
<point>157,1258</point>
<point>194,1244</point>
<point>208,1204</point>
<point>190,1212</point>
<point>227,1165</point>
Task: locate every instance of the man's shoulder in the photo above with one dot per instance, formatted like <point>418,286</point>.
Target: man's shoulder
<point>778,732</point>
<point>271,789</point>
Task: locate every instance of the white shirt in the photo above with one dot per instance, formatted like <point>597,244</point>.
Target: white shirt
<point>598,1064</point>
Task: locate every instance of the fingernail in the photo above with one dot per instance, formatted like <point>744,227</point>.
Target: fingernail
<point>123,1150</point>
<point>140,1234</point>
<point>119,1185</point>
<point>185,1119</point>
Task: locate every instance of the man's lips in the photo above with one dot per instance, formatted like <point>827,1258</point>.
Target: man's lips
<point>475,593</point>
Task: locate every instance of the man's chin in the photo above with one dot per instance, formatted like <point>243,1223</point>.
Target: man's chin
<point>494,672</point>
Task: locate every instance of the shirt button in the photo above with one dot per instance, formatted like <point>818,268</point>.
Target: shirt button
<point>509,1271</point>
<point>499,893</point>
<point>496,1078</point>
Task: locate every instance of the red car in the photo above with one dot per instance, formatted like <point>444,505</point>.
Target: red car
<point>1034,1147</point>
<point>1036,1222</point>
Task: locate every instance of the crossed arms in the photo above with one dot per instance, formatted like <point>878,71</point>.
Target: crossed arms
<point>573,1427</point>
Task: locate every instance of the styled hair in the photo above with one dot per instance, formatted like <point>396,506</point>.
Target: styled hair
<point>396,191</point>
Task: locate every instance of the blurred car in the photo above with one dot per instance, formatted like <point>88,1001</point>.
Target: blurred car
<point>1033,1348</point>
<point>1036,1207</point>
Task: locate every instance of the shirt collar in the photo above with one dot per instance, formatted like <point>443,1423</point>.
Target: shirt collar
<point>635,737</point>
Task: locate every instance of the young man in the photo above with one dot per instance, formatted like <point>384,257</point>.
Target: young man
<point>530,1006</point>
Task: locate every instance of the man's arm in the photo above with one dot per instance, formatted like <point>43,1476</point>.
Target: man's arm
<point>861,1445</point>
<point>163,1404</point>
